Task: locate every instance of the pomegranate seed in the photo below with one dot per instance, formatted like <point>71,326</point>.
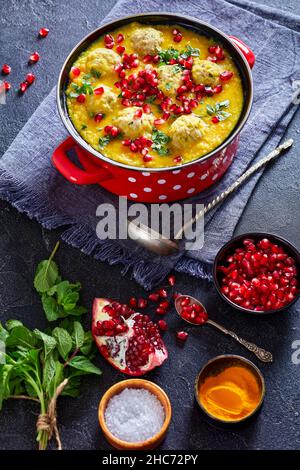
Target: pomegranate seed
<point>176,295</point>
<point>164,304</point>
<point>177,159</point>
<point>154,297</point>
<point>43,32</point>
<point>109,45</point>
<point>160,311</point>
<point>138,114</point>
<point>212,49</point>
<point>219,53</point>
<point>212,58</point>
<point>162,293</point>
<point>172,280</point>
<point>23,87</point>
<point>7,86</point>
<point>156,59</point>
<point>159,122</point>
<point>146,108</point>
<point>172,61</point>
<point>147,158</point>
<point>120,49</point>
<point>107,129</point>
<point>75,71</point>
<point>133,147</point>
<point>81,98</point>
<point>30,77</point>
<point>182,335</point>
<point>147,59</point>
<point>177,38</point>
<point>114,131</point>
<point>6,69</point>
<point>126,142</point>
<point>217,89</point>
<point>162,325</point>
<point>225,76</point>
<point>108,38</point>
<point>33,58</point>
<point>175,32</point>
<point>142,303</point>
<point>181,89</point>
<point>126,102</point>
<point>98,117</point>
<point>215,119</point>
<point>120,38</point>
<point>99,90</point>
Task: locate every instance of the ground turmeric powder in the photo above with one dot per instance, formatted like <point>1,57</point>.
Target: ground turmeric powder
<point>231,395</point>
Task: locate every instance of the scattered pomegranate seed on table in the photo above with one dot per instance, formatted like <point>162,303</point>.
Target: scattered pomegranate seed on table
<point>6,69</point>
<point>142,303</point>
<point>182,335</point>
<point>164,304</point>
<point>43,32</point>
<point>23,87</point>
<point>162,293</point>
<point>33,58</point>
<point>7,86</point>
<point>162,325</point>
<point>132,302</point>
<point>172,280</point>
<point>161,311</point>
<point>30,78</point>
<point>154,297</point>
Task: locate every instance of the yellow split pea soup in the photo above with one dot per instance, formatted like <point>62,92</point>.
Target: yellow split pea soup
<point>154,96</point>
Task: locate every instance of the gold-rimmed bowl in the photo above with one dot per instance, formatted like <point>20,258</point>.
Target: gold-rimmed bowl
<point>217,365</point>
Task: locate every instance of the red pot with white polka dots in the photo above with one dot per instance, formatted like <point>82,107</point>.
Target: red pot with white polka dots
<point>151,185</point>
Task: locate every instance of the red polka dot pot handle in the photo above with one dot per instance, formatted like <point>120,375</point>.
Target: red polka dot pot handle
<point>245,50</point>
<point>91,174</point>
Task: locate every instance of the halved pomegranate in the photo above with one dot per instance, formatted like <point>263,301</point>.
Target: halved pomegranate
<point>129,340</point>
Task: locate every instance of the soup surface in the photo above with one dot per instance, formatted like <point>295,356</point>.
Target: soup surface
<point>154,96</point>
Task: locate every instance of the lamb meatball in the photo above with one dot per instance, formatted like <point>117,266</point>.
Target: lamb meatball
<point>102,61</point>
<point>170,79</point>
<point>186,130</point>
<point>206,72</point>
<point>101,103</point>
<point>134,126</point>
<point>146,40</point>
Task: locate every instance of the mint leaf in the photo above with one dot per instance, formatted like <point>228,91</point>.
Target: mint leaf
<point>84,365</point>
<point>210,109</point>
<point>160,141</point>
<point>21,337</point>
<point>103,141</point>
<point>10,324</point>
<point>46,273</point>
<point>48,341</point>
<point>190,51</point>
<point>63,340</point>
<point>78,335</point>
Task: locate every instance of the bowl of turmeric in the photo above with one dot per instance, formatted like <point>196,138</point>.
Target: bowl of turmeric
<point>229,389</point>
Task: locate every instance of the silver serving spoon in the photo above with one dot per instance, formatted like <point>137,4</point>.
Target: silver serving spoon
<point>164,246</point>
<point>264,356</point>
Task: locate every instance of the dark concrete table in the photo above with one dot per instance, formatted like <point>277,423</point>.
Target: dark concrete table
<point>274,206</point>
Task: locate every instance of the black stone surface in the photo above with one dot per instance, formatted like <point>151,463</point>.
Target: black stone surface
<point>274,207</point>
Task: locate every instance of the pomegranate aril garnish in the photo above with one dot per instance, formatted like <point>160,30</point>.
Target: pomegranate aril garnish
<point>98,117</point>
<point>217,89</point>
<point>225,76</point>
<point>215,119</point>
<point>212,59</point>
<point>154,297</point>
<point>142,303</point>
<point>177,159</point>
<point>146,108</point>
<point>138,114</point>
<point>212,49</point>
<point>159,122</point>
<point>120,38</point>
<point>33,58</point>
<point>182,335</point>
<point>6,69</point>
<point>162,325</point>
<point>219,53</point>
<point>99,90</point>
<point>177,37</point>
<point>75,71</point>
<point>30,78</point>
<point>120,49</point>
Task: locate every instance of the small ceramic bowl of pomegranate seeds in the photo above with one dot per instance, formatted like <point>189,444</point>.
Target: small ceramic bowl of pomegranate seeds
<point>258,273</point>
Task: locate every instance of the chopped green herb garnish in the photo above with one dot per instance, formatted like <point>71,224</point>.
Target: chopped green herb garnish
<point>103,141</point>
<point>167,54</point>
<point>218,110</point>
<point>160,142</point>
<point>85,88</point>
<point>84,126</point>
<point>168,86</point>
<point>95,73</point>
<point>150,99</point>
<point>190,51</point>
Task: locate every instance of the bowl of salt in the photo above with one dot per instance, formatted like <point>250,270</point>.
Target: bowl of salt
<point>134,414</point>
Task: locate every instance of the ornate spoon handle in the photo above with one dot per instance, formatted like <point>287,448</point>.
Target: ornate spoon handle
<point>221,197</point>
<point>262,354</point>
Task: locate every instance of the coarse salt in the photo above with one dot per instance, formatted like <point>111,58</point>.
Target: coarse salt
<point>134,415</point>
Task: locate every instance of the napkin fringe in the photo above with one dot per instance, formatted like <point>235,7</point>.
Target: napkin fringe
<point>145,273</point>
<point>29,202</point>
<point>194,268</point>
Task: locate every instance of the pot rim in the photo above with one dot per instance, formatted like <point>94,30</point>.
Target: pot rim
<point>113,25</point>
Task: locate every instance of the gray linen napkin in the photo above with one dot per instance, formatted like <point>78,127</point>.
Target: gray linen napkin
<point>32,185</point>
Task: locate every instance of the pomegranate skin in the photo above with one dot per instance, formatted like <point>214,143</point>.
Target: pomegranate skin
<point>116,347</point>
